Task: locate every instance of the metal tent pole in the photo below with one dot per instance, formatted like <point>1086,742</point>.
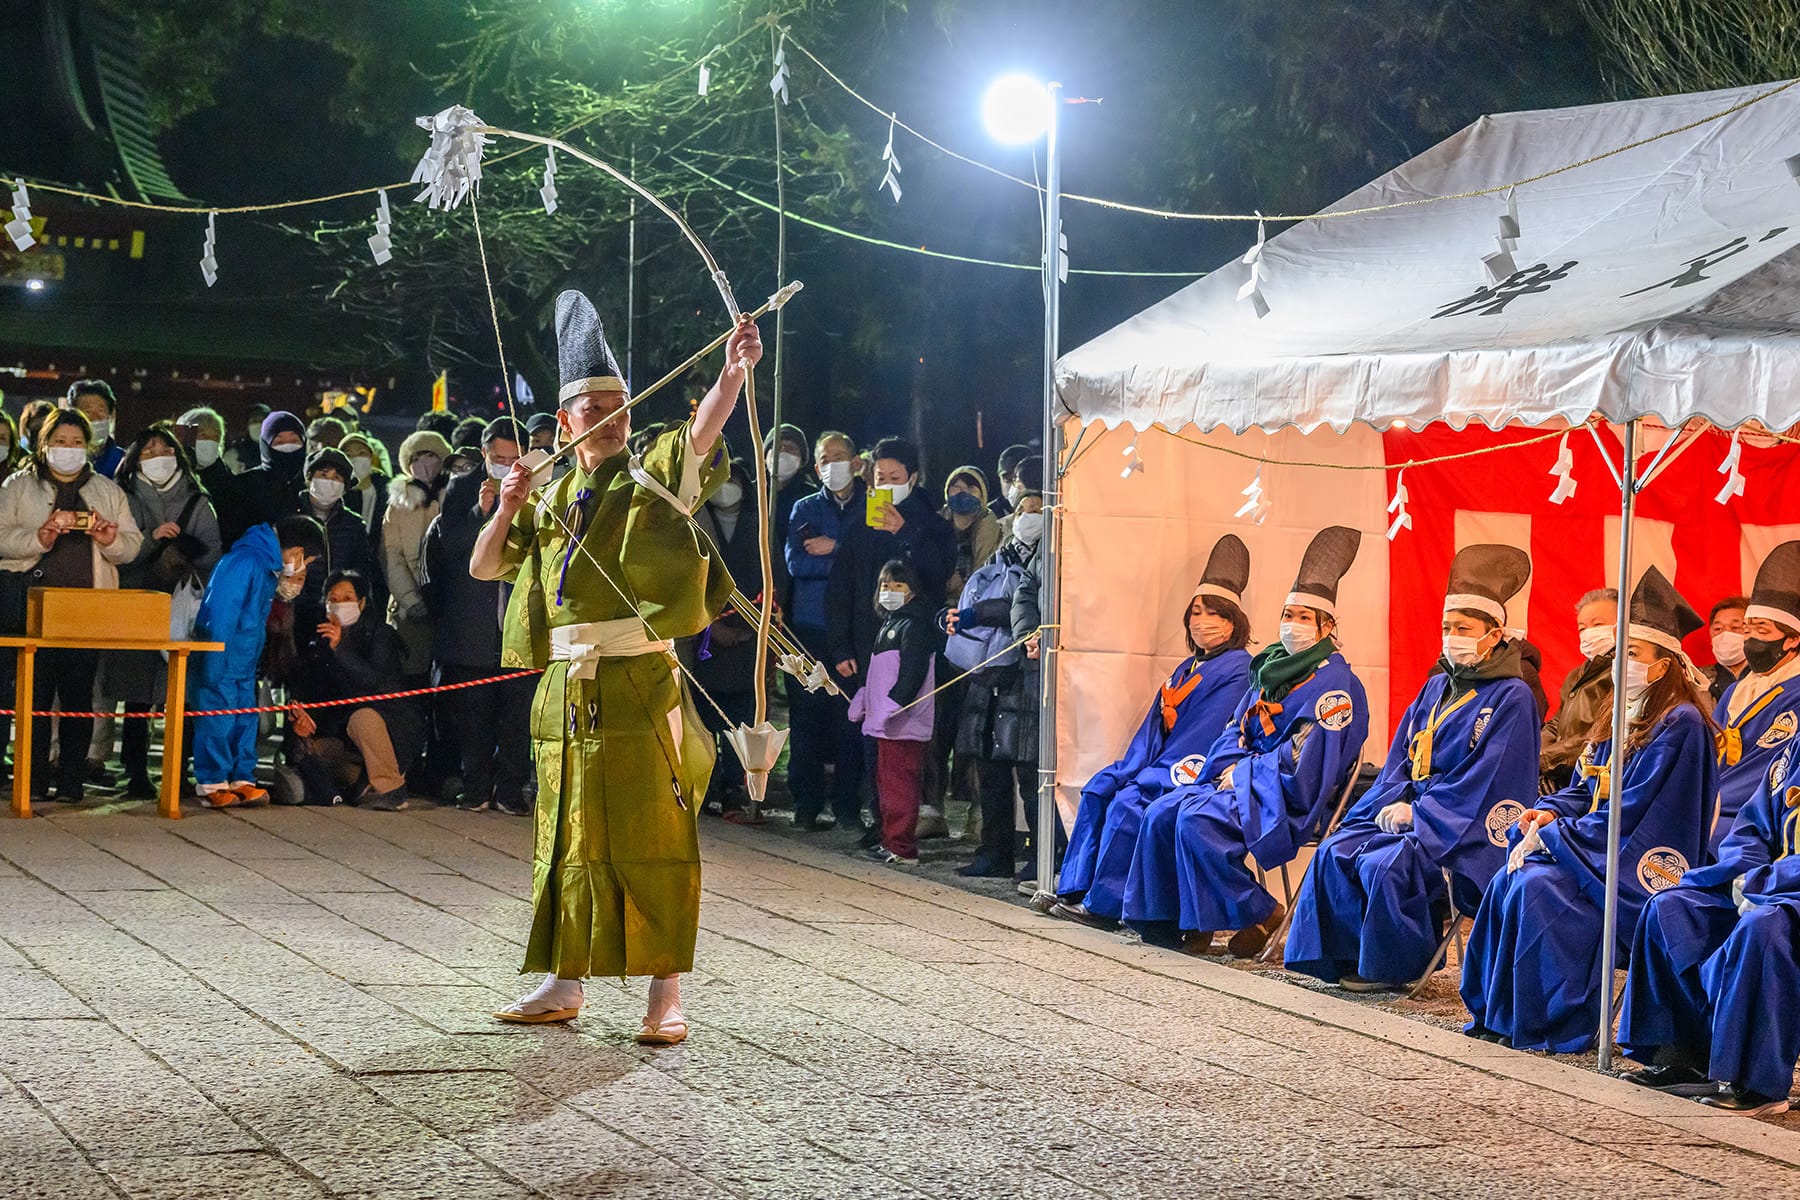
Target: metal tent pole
<point>1049,599</point>
<point>1628,489</point>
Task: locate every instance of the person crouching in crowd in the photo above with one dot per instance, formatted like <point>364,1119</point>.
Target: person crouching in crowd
<point>365,749</point>
<point>894,707</point>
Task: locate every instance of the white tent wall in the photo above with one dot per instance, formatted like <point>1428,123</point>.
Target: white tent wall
<point>1133,549</point>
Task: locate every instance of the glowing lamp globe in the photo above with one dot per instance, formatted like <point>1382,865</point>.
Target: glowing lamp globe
<point>1016,109</point>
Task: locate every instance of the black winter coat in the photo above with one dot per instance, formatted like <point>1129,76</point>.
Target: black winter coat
<point>925,540</point>
<point>467,612</point>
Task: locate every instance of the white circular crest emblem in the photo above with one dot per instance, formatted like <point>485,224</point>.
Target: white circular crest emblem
<point>1779,730</point>
<point>1187,770</point>
<point>1334,710</point>
<point>1661,868</point>
<point>1502,817</point>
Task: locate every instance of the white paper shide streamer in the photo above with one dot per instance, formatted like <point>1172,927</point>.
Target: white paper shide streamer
<point>779,83</point>
<point>1255,508</point>
<point>380,248</point>
<point>706,70</point>
<point>1133,462</point>
<point>1734,478</point>
<point>1251,292</point>
<point>891,181</point>
<point>451,168</point>
<point>547,193</point>
<point>1397,506</point>
<point>1500,265</point>
<point>1564,471</point>
<point>19,228</point>
<point>209,265</point>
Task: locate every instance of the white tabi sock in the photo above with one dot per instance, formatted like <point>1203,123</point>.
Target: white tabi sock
<point>552,995</point>
<point>665,1002</point>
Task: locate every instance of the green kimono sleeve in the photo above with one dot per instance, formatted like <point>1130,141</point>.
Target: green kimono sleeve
<point>674,570</point>
<point>525,638</point>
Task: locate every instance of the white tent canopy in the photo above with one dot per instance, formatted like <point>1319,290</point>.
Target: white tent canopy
<point>1661,281</point>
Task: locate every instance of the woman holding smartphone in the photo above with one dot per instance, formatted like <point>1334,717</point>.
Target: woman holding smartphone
<point>62,526</point>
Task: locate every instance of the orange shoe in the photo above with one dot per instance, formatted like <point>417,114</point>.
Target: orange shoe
<point>251,796</point>
<point>222,798</point>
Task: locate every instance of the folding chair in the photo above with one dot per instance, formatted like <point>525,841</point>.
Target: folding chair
<point>1452,934</point>
<point>1279,937</point>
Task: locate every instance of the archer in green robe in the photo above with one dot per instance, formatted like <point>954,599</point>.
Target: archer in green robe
<point>623,759</point>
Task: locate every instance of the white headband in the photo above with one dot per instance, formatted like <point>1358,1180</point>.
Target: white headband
<point>1766,613</point>
<point>1480,604</point>
<point>1213,589</point>
<point>593,383</point>
<point>1312,601</point>
<point>1671,643</point>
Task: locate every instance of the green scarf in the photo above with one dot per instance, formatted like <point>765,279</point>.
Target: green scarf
<point>1277,672</point>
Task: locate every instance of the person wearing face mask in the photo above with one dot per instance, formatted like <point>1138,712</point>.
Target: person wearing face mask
<point>722,657</point>
<point>181,545</point>
<point>347,546</point>
<point>894,708</point>
<point>414,497</point>
<point>1726,627</point>
<point>95,400</point>
<point>1531,976</point>
<point>789,480</point>
<point>205,430</point>
<point>367,492</point>
<point>1011,489</point>
<point>608,570</point>
<point>1264,785</point>
<point>1586,691</point>
<point>1462,768</point>
<point>821,730</point>
<point>12,452</point>
<point>264,493</point>
<point>62,525</point>
<point>1760,712</point>
<point>1169,750</point>
<point>245,451</point>
<point>265,568</point>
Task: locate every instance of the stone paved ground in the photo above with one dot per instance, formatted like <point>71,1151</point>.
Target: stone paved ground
<point>294,1003</point>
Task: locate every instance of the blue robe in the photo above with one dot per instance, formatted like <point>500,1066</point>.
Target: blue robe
<point>1761,732</point>
<point>1533,968</point>
<point>1158,759</point>
<point>1720,984</point>
<point>1367,905</point>
<point>1189,867</point>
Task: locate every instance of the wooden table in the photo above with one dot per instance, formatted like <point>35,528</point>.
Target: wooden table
<point>174,708</point>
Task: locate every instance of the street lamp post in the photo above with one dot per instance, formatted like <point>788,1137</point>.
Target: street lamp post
<point>1019,109</point>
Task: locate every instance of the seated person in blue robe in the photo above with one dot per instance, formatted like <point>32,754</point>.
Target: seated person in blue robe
<point>1272,779</point>
<point>1760,712</point>
<point>1463,766</point>
<point>1170,748</point>
<point>1531,978</point>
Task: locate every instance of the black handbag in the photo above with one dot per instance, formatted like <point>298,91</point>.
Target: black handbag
<point>14,587</point>
<point>171,560</point>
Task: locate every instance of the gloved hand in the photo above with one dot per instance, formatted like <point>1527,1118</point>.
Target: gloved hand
<point>1524,846</point>
<point>1395,818</point>
<point>1743,902</point>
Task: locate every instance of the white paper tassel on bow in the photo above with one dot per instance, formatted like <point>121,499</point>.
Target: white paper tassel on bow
<point>778,84</point>
<point>891,181</point>
<point>548,192</point>
<point>19,228</point>
<point>1734,479</point>
<point>758,748</point>
<point>209,265</point>
<point>1397,506</point>
<point>1252,289</point>
<point>1254,507</point>
<point>1133,464</point>
<point>1564,472</point>
<point>379,246</point>
<point>451,168</point>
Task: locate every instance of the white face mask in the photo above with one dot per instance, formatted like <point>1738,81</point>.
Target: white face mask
<point>158,470</point>
<point>1462,650</point>
<point>1728,648</point>
<point>1298,638</point>
<point>361,466</point>
<point>1028,528</point>
<point>1596,641</point>
<point>66,460</point>
<point>206,452</point>
<point>497,472</point>
<point>102,430</point>
<point>325,492</point>
<point>425,468</point>
<point>286,447</point>
<point>787,465</point>
<point>289,587</point>
<point>253,430</point>
<point>347,613</point>
<point>890,598</point>
<point>1637,679</point>
<point>835,476</point>
<point>1013,492</point>
<point>729,495</point>
<point>901,490</point>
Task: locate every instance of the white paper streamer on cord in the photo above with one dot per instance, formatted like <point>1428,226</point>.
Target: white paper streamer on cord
<point>1062,256</point>
<point>19,228</point>
<point>1135,463</point>
<point>705,70</point>
<point>1564,472</point>
<point>891,181</point>
<point>1252,289</point>
<point>1500,264</point>
<point>1255,507</point>
<point>1734,479</point>
<point>379,246</point>
<point>548,192</point>
<point>209,265</point>
<point>451,168</point>
<point>779,83</point>
<point>1397,506</point>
